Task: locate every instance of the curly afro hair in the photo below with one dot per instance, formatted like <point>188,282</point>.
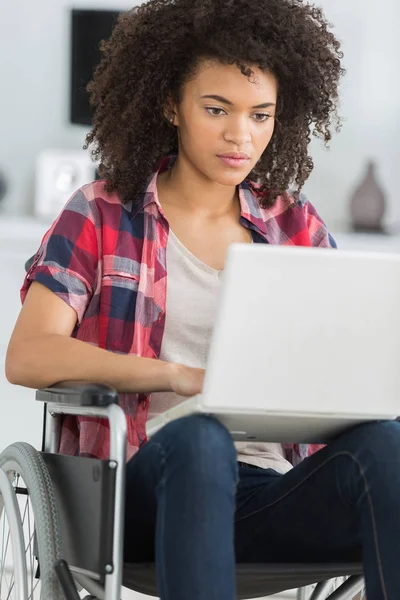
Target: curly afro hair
<point>154,50</point>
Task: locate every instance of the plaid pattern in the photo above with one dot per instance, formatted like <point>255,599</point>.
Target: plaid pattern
<point>108,262</point>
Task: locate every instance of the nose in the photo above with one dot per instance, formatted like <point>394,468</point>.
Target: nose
<point>238,132</point>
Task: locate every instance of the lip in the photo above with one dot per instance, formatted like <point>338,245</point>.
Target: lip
<point>234,159</point>
<point>235,155</point>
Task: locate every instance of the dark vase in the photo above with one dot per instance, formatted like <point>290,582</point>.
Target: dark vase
<point>368,203</point>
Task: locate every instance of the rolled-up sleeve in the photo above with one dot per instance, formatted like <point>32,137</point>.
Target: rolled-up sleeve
<point>67,259</point>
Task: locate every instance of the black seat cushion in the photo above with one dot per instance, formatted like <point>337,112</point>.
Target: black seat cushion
<point>253,580</point>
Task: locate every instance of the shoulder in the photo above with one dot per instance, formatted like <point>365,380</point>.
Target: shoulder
<point>94,195</point>
<point>86,215</point>
<point>296,218</point>
<point>287,202</point>
<point>93,205</point>
<point>316,226</point>
<point>87,202</point>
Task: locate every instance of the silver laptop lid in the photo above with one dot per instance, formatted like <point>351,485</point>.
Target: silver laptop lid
<point>307,329</point>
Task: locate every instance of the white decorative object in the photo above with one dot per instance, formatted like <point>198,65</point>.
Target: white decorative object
<point>59,173</point>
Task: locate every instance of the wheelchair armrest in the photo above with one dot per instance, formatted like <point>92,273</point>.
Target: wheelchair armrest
<point>78,393</point>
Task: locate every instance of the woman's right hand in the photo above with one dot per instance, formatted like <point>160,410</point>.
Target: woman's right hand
<point>186,381</point>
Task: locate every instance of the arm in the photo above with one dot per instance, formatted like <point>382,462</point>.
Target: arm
<point>56,293</point>
<point>42,352</point>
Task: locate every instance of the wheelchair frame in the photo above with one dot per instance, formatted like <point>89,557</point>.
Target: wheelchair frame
<point>93,400</point>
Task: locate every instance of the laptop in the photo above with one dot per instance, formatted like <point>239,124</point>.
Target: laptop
<point>306,344</point>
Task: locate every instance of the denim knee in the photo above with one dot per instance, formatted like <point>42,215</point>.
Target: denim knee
<point>381,437</point>
<point>198,438</point>
<point>377,445</point>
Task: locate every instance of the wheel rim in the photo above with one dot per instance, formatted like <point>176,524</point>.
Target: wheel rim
<point>8,572</point>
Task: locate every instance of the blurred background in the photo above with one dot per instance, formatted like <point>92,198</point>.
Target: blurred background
<point>47,49</point>
<point>37,47</point>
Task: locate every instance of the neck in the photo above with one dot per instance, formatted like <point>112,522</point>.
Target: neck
<point>186,187</point>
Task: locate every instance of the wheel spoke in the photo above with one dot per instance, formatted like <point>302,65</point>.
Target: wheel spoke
<point>11,589</point>
<point>30,548</point>
<point>2,549</point>
<point>7,580</point>
<point>3,572</point>
<point>31,596</point>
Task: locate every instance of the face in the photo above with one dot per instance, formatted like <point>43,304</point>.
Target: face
<point>225,122</point>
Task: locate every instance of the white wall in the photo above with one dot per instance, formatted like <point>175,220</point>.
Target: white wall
<point>34,51</point>
<point>370,102</point>
<point>34,103</point>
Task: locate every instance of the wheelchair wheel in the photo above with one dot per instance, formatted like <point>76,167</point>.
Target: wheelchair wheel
<point>306,593</point>
<point>29,537</point>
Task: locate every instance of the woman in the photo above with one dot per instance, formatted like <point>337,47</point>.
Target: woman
<point>203,115</point>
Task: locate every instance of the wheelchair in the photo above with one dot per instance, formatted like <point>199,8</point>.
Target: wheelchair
<point>61,521</point>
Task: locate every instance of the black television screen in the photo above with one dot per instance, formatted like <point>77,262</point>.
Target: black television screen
<point>88,28</point>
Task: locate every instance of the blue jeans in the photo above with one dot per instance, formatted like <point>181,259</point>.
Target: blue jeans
<point>192,510</point>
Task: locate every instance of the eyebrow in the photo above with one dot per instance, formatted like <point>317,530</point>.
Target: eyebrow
<point>225,101</point>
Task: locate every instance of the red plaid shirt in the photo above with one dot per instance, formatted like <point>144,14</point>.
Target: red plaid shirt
<point>108,261</point>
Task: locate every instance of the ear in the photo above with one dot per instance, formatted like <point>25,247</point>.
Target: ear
<point>170,112</point>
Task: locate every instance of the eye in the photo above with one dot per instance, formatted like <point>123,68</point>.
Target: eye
<point>261,117</point>
<point>215,112</point>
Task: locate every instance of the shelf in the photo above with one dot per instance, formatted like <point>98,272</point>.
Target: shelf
<point>14,228</point>
<point>368,242</point>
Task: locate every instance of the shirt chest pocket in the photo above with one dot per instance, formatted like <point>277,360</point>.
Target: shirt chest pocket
<point>118,304</point>
<point>120,279</point>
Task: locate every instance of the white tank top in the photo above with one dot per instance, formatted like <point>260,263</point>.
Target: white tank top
<point>192,296</point>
